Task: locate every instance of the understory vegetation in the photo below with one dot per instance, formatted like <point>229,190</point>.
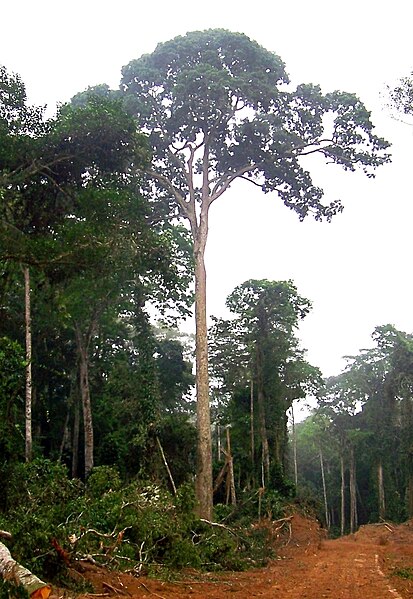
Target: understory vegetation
<point>139,527</point>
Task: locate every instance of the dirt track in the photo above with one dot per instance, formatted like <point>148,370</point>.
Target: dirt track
<point>362,566</point>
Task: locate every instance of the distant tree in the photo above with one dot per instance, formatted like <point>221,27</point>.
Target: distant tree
<point>401,96</point>
<point>257,357</point>
<point>215,108</point>
<point>368,407</point>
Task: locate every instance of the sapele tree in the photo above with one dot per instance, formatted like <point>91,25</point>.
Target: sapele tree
<point>216,108</point>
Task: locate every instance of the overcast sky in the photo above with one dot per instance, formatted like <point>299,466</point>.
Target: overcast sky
<point>356,270</point>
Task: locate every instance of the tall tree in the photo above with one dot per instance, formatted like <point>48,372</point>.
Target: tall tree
<point>215,108</point>
<point>259,345</point>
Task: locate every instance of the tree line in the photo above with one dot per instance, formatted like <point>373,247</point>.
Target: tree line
<point>360,435</point>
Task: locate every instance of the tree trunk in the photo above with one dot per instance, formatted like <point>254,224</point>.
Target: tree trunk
<point>410,493</point>
<point>231,480</point>
<point>262,419</point>
<point>204,491</point>
<point>343,496</point>
<point>165,461</point>
<point>353,493</point>
<point>252,432</point>
<point>82,348</point>
<point>65,436</point>
<point>323,478</point>
<point>75,438</point>
<point>219,448</point>
<point>294,447</point>
<point>28,406</point>
<point>13,572</point>
<point>380,485</point>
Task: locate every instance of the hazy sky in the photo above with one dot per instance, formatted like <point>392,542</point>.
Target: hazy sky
<point>356,270</point>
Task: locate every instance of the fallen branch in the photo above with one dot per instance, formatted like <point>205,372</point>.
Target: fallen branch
<point>385,524</point>
<point>151,592</point>
<point>217,524</point>
<point>287,519</point>
<point>13,572</point>
<point>114,589</point>
<point>166,465</point>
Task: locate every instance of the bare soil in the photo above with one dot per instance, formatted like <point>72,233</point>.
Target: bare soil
<point>366,565</point>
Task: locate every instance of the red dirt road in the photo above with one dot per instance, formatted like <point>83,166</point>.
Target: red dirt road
<point>362,566</point>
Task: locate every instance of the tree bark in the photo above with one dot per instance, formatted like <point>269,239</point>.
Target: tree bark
<point>380,485</point>
<point>231,480</point>
<point>168,470</point>
<point>343,496</point>
<point>252,432</point>
<point>262,419</point>
<point>410,494</point>
<point>204,466</point>
<point>75,438</point>
<point>13,572</point>
<point>82,347</point>
<point>294,447</point>
<point>353,493</point>
<point>28,404</point>
<point>323,478</point>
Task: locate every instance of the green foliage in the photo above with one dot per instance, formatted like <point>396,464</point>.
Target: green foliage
<point>127,526</point>
<point>12,366</point>
<point>222,92</point>
<point>405,573</point>
<point>256,354</point>
<point>8,590</point>
<point>103,479</point>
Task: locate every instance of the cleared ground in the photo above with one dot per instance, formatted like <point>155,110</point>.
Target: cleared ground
<point>367,565</point>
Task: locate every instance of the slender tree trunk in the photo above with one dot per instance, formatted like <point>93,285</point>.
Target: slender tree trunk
<point>204,483</point>
<point>380,485</point>
<point>410,484</point>
<point>168,470</point>
<point>294,447</point>
<point>75,439</point>
<point>410,495</point>
<point>65,436</point>
<point>323,478</point>
<point>230,471</point>
<point>343,496</point>
<point>252,432</point>
<point>262,419</point>
<point>353,493</point>
<point>82,347</point>
<point>28,407</point>
<point>278,443</point>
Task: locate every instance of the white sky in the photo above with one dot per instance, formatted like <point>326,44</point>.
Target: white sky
<point>357,270</point>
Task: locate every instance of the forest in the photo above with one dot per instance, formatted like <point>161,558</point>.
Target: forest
<point>124,440</point>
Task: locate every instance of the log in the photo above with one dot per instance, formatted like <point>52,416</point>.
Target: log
<point>13,572</point>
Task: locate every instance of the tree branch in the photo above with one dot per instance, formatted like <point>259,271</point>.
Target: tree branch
<point>183,206</point>
<point>224,182</point>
